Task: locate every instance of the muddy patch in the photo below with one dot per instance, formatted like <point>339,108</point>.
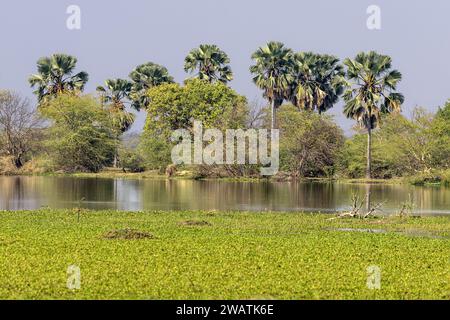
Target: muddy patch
<point>422,234</point>
<point>7,242</point>
<point>195,223</point>
<point>408,233</point>
<point>358,230</point>
<point>127,234</point>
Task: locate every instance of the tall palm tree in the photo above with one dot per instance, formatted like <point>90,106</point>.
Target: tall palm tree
<point>114,95</point>
<point>55,76</point>
<point>317,81</point>
<point>272,73</point>
<point>372,92</point>
<point>144,77</point>
<point>210,63</point>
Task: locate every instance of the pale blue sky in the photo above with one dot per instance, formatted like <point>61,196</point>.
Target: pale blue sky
<point>118,35</point>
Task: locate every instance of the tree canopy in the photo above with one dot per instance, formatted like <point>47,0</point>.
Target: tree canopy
<point>114,95</point>
<point>208,62</point>
<point>144,77</point>
<point>317,81</point>
<point>174,106</point>
<point>56,75</point>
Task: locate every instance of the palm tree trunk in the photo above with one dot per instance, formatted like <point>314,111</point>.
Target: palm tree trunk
<point>115,158</point>
<point>274,115</point>
<point>115,161</point>
<point>369,153</point>
<point>368,197</point>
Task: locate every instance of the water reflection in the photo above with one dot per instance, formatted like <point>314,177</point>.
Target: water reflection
<point>35,192</point>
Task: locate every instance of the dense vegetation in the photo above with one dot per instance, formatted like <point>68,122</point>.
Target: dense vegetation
<point>220,255</point>
<point>418,146</point>
<point>70,131</point>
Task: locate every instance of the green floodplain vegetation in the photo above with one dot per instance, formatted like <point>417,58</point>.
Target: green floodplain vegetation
<point>221,255</point>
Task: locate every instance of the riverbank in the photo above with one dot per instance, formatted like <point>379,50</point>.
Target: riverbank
<point>439,178</point>
<point>220,255</point>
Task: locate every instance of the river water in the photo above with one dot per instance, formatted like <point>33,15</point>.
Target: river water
<point>18,193</point>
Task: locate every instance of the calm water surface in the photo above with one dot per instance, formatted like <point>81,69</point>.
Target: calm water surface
<point>17,193</point>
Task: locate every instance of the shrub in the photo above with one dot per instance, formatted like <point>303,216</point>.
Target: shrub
<point>7,166</point>
<point>38,165</point>
<point>309,142</point>
<point>155,150</point>
<point>131,160</point>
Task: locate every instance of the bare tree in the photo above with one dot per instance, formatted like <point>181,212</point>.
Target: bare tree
<point>256,114</point>
<point>19,127</point>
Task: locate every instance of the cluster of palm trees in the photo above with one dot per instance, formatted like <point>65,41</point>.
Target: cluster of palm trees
<point>312,81</point>
<point>308,80</point>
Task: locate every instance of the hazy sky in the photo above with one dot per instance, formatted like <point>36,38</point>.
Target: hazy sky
<point>116,36</point>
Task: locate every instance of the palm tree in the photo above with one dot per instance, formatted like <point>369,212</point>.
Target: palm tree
<point>114,96</point>
<point>272,73</point>
<point>144,77</point>
<point>210,63</point>
<point>371,93</point>
<point>55,76</point>
<point>317,81</point>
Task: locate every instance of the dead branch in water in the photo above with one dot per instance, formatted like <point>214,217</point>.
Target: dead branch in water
<point>357,204</point>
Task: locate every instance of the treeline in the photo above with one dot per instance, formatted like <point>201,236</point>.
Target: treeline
<point>71,131</point>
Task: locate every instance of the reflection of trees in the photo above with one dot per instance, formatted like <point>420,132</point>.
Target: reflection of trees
<point>430,199</point>
<point>72,192</point>
<point>34,192</point>
<point>127,195</point>
<point>195,195</point>
<point>18,193</point>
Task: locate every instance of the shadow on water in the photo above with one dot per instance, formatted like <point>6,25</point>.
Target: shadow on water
<point>18,193</point>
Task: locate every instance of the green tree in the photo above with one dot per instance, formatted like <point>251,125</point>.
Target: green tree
<point>410,141</point>
<point>402,146</point>
<point>55,76</point>
<point>173,106</point>
<point>81,137</point>
<point>272,73</point>
<point>371,92</point>
<point>209,63</point>
<point>440,129</point>
<point>317,81</point>
<point>389,155</point>
<point>144,77</point>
